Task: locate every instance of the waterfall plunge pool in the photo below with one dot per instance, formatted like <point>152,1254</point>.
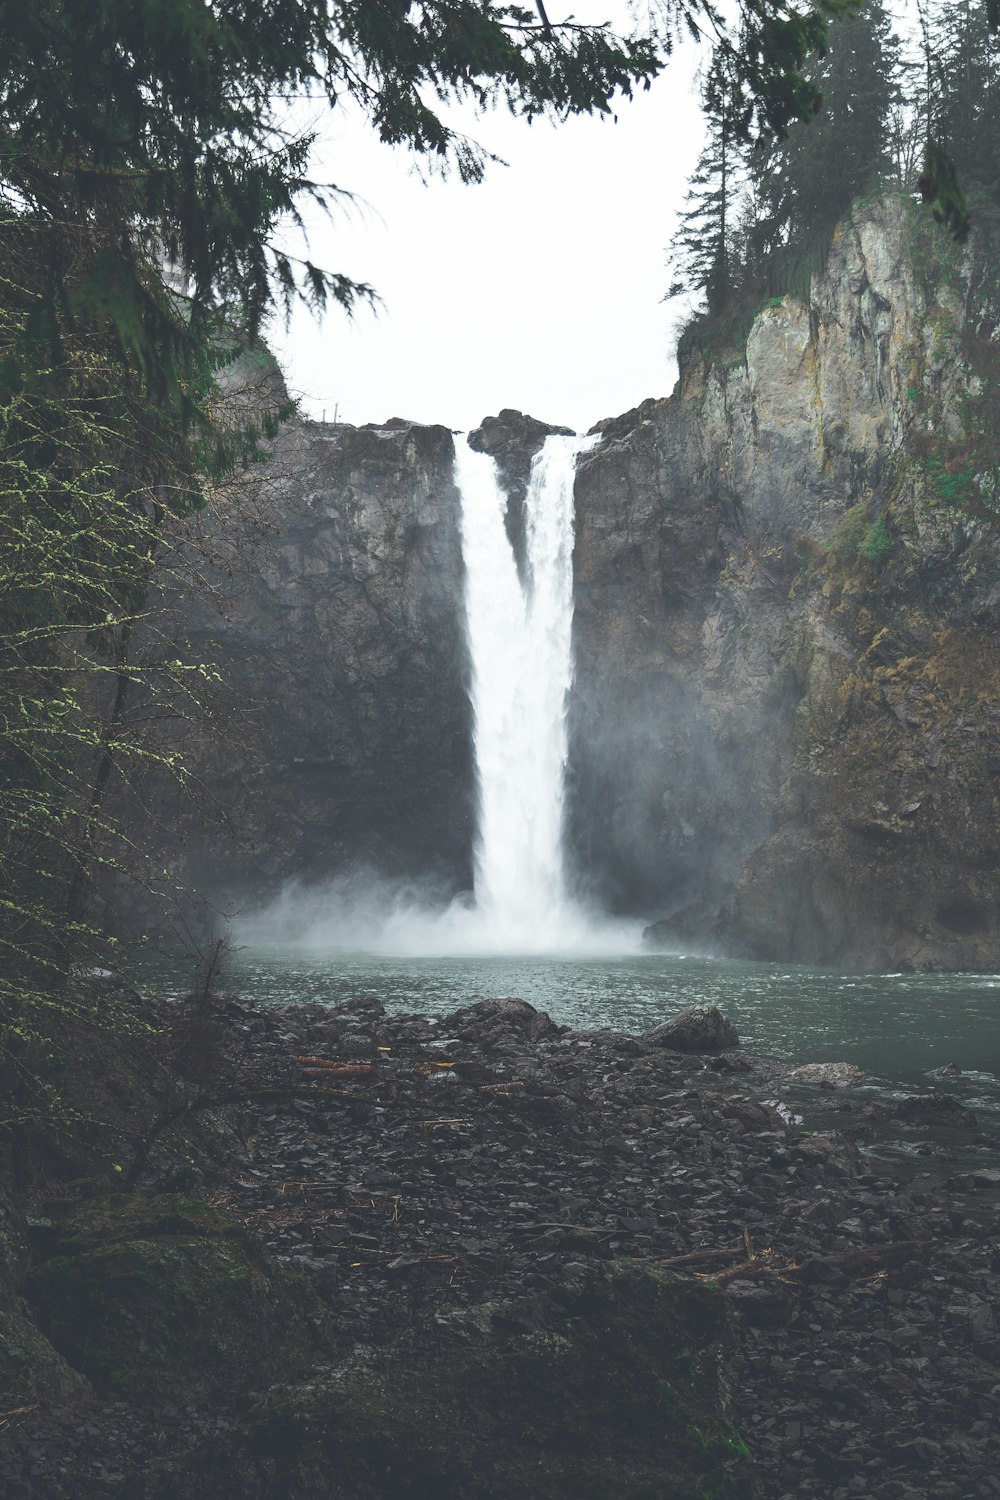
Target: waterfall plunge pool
<point>897,1027</point>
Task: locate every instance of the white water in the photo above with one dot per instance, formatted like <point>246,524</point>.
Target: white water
<point>521,651</point>
<point>520,644</point>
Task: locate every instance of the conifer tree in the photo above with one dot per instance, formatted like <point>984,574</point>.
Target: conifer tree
<point>963,88</point>
<point>810,178</point>
<point>703,249</point>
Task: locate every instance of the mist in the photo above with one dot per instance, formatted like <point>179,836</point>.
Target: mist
<point>363,911</point>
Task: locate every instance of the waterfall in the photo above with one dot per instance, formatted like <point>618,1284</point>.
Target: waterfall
<point>520,644</point>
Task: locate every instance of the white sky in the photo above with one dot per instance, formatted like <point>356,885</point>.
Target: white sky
<point>538,289</point>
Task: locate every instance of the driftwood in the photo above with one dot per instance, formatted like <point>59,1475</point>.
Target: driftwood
<point>324,1067</point>
<point>758,1263</point>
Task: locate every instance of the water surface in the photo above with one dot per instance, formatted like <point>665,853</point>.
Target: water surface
<point>895,1026</point>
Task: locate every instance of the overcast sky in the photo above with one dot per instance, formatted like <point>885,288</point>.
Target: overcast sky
<point>539,289</point>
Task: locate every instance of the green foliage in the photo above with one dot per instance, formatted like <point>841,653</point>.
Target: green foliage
<point>847,536</point>
<point>701,254</point>
<point>98,487</point>
<point>876,543</point>
<point>854,538</point>
<point>943,192</point>
<point>724,336</point>
<point>761,217</point>
<point>164,130</point>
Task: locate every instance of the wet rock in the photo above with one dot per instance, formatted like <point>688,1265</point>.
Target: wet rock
<point>150,1296</point>
<point>342,646</point>
<point>494,1017</point>
<point>754,1115</point>
<point>699,1028</point>
<point>764,1305</point>
<point>836,1075</point>
<point>512,439</point>
<point>934,1109</point>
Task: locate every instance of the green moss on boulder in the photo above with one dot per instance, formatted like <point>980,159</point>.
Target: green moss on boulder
<point>617,1397</point>
<point>31,1371</point>
<point>161,1296</point>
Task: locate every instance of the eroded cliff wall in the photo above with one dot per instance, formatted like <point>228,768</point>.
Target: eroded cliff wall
<point>785,724</point>
<point>341,645</point>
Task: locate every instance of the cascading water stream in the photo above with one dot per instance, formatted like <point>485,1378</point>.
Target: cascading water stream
<point>521,650</point>
<point>520,643</point>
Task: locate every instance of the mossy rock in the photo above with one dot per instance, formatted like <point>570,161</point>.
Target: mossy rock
<point>163,1296</point>
<point>74,1229</point>
<point>31,1371</point>
<point>617,1397</point>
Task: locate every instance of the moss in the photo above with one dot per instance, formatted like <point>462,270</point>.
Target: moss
<point>876,543</point>
<point>116,1217</point>
<point>619,1399</point>
<point>151,1296</point>
<point>31,1371</point>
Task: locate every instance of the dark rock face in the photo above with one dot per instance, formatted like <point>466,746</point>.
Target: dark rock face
<point>699,1028</point>
<point>513,439</point>
<point>785,729</point>
<point>343,647</point>
<point>653,784</point>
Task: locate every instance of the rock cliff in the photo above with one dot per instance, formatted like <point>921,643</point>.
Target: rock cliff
<point>785,725</point>
<point>340,641</point>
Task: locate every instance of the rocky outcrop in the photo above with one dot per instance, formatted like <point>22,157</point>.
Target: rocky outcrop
<point>698,1028</point>
<point>339,635</point>
<point>786,722</point>
<point>512,440</point>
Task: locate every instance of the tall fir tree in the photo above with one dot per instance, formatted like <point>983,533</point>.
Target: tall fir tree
<point>702,251</point>
<point>810,178</point>
<point>963,91</point>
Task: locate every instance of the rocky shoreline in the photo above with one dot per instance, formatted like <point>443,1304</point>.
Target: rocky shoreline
<point>443,1201</point>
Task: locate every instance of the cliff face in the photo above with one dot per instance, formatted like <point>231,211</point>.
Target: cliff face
<point>788,700</point>
<point>343,649</point>
<point>785,727</point>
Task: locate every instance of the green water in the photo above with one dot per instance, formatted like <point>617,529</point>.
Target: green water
<point>895,1026</point>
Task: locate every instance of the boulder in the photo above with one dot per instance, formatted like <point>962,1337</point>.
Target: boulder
<point>30,1368</point>
<point>157,1297</point>
<point>934,1109</point>
<point>491,1018</point>
<point>832,1075</point>
<point>610,1389</point>
<point>699,1028</point>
